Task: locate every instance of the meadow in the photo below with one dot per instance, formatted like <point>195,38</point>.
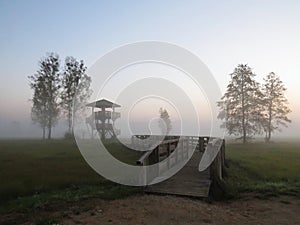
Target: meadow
<point>35,172</point>
<point>267,169</point>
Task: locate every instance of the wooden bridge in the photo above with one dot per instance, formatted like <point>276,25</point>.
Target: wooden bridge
<point>188,181</point>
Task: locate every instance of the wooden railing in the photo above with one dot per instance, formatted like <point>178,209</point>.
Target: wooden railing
<point>168,145</point>
<point>102,115</point>
<point>163,151</point>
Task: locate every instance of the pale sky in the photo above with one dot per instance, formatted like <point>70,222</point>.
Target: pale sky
<point>264,34</point>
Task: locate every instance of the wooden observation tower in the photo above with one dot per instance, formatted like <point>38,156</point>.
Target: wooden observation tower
<point>103,118</point>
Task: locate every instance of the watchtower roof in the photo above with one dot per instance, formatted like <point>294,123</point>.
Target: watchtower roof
<point>103,103</point>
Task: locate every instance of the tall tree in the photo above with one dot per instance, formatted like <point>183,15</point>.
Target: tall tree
<point>76,88</point>
<point>239,103</point>
<point>165,122</point>
<point>275,104</point>
<point>39,110</point>
<point>46,84</point>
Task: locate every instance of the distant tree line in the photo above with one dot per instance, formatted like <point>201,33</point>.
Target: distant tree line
<point>248,108</point>
<point>55,89</point>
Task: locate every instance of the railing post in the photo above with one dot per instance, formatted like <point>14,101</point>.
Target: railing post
<point>201,144</point>
<point>182,149</point>
<point>216,168</point>
<point>176,152</point>
<point>223,157</point>
<point>168,154</point>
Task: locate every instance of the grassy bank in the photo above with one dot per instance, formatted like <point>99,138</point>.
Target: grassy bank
<point>267,169</point>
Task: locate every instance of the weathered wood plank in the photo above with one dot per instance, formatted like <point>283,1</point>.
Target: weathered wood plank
<point>188,181</point>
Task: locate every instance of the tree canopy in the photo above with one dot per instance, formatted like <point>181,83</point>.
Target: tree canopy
<point>275,105</point>
<point>46,84</point>
<point>75,88</point>
<point>239,103</point>
<point>55,91</point>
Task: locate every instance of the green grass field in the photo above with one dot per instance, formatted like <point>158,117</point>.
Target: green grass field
<point>265,168</point>
<point>34,172</point>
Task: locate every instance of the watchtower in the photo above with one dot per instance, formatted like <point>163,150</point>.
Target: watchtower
<point>103,118</point>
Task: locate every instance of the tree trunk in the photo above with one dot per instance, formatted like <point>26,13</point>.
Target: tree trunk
<point>70,119</point>
<point>269,122</point>
<point>269,135</point>
<point>243,110</point>
<point>266,136</point>
<point>44,132</point>
<point>70,123</point>
<point>270,116</point>
<point>244,136</point>
<point>49,133</point>
<point>49,129</point>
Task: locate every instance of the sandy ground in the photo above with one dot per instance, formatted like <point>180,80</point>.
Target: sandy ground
<point>155,209</point>
<point>151,209</point>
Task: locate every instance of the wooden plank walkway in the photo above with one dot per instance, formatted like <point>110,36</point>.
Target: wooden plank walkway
<point>188,181</point>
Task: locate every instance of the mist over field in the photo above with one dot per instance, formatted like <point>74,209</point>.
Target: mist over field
<point>219,34</point>
<point>149,112</point>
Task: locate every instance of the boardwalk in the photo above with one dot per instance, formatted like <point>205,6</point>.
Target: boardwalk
<point>188,181</point>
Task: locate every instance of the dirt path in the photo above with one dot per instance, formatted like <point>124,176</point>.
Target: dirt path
<point>153,209</point>
<point>150,209</point>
